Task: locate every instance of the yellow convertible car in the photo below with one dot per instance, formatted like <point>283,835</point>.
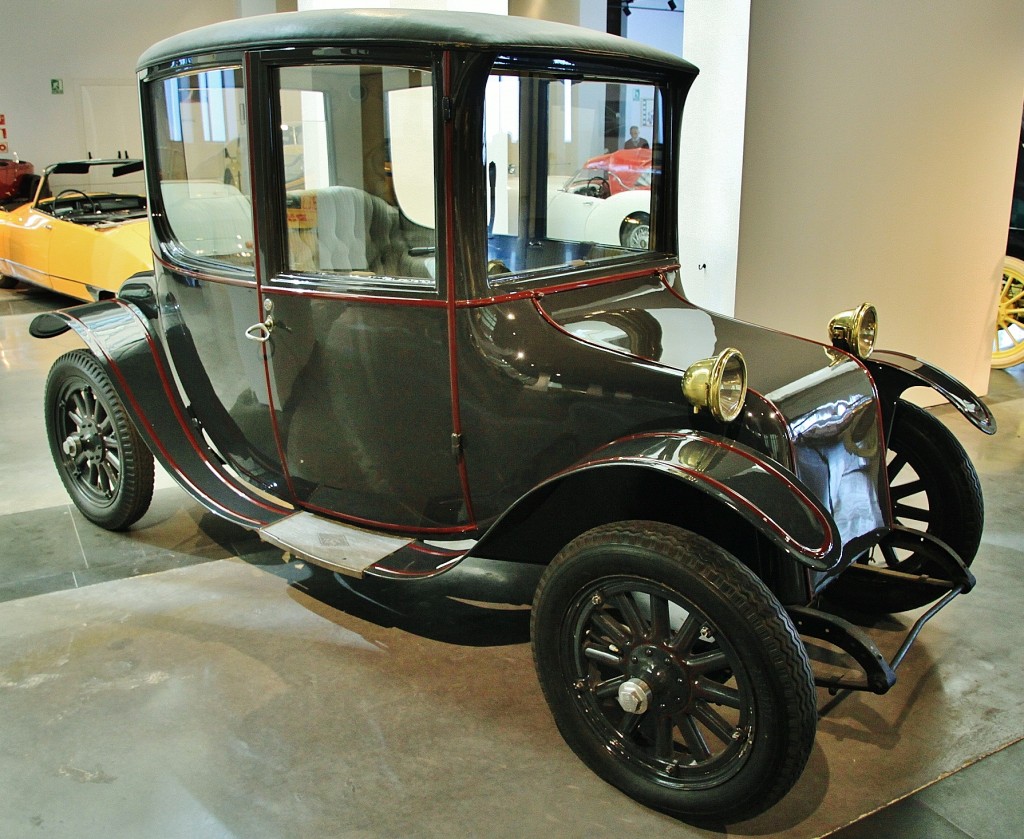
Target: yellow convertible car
<point>79,229</point>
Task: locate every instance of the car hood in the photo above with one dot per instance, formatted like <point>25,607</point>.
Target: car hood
<point>809,407</point>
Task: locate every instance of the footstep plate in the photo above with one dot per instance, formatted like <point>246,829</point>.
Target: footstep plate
<point>337,546</point>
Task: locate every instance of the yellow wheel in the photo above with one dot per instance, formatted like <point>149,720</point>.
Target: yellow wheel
<point>1008,346</point>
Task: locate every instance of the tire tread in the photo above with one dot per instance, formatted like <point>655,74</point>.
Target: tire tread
<point>137,469</point>
<point>751,596</point>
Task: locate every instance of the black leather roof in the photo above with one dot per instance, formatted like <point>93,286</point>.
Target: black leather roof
<point>404,26</point>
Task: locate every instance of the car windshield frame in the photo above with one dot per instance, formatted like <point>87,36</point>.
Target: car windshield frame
<point>91,194</point>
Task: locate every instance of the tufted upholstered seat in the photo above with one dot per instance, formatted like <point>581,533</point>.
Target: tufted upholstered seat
<point>340,228</point>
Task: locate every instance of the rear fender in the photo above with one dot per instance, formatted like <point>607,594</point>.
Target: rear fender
<point>716,478</point>
<point>895,372</point>
<point>122,339</point>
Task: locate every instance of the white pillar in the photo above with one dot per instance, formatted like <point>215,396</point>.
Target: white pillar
<point>715,38</point>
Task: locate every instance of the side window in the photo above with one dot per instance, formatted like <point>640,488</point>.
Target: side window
<point>572,168</point>
<point>203,163</point>
<point>358,169</point>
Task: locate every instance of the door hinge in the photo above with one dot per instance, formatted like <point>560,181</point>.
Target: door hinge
<point>447,109</point>
<point>456,445</point>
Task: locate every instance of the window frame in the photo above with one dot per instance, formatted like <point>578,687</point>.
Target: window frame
<point>515,278</point>
<point>167,245</point>
<point>265,84</point>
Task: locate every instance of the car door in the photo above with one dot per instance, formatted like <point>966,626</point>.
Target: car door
<point>355,318</point>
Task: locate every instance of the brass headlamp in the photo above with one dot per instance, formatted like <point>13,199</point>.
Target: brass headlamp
<point>718,383</point>
<point>855,330</point>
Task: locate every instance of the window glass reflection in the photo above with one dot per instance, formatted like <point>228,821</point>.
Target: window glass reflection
<point>571,169</point>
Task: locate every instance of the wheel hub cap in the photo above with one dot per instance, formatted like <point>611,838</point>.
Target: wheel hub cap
<point>87,440</point>
<point>634,696</point>
<point>72,445</point>
<point>658,675</point>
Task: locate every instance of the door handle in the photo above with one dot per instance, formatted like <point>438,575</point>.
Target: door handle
<point>260,332</point>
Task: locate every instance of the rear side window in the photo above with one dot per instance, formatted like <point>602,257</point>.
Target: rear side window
<point>203,162</point>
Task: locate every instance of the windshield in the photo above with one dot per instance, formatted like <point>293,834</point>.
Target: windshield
<point>571,168</point>
<point>94,192</point>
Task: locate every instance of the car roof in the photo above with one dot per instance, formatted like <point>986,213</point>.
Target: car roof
<point>406,26</point>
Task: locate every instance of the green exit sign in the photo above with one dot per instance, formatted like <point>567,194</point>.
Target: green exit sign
<point>56,85</point>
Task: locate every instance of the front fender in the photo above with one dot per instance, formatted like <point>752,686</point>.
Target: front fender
<point>121,338</point>
<point>896,372</point>
<point>765,495</point>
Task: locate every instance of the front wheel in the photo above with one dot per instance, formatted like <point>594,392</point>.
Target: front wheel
<point>672,671</point>
<point>103,463</point>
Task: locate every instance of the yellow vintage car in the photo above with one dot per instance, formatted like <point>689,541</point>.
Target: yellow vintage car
<point>79,229</point>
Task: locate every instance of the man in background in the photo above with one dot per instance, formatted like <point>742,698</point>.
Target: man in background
<point>635,141</point>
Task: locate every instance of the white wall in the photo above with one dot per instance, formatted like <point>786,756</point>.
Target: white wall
<point>657,26</point>
<point>91,46</point>
<point>880,149</point>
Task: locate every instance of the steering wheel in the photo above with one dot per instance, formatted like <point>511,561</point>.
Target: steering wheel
<point>63,192</point>
<point>598,187</point>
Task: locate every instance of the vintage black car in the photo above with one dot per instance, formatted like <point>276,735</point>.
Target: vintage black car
<point>365,345</point>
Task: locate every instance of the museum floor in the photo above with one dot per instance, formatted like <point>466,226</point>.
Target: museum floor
<point>181,680</point>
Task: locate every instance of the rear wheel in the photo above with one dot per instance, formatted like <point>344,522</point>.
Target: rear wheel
<point>672,671</point>
<point>635,232</point>
<point>1008,345</point>
<point>933,488</point>
<point>7,282</point>
<point>103,463</point>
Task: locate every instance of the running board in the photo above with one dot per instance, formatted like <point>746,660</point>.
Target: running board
<point>330,544</point>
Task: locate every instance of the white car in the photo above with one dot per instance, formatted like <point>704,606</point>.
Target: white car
<point>607,201</point>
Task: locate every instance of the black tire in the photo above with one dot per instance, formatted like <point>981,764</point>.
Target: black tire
<point>933,488</point>
<point>635,231</point>
<point>7,282</point>
<point>103,463</point>
<point>732,713</point>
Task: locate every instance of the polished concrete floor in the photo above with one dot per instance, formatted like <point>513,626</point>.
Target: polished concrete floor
<point>181,680</point>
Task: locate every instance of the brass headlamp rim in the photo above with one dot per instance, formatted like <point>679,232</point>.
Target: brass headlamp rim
<point>849,330</point>
<point>702,384</point>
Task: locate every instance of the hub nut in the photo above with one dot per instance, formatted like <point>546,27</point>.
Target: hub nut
<point>634,696</point>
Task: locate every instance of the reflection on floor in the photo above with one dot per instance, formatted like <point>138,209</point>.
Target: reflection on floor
<point>235,695</point>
